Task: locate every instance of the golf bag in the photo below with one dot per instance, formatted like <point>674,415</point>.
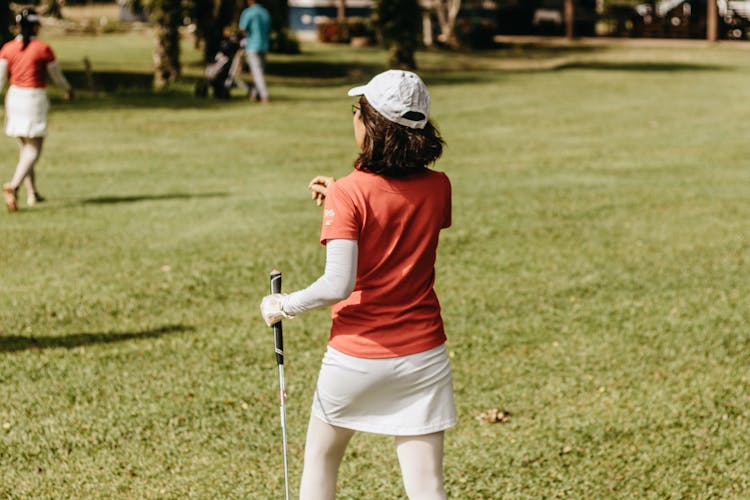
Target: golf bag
<point>221,74</point>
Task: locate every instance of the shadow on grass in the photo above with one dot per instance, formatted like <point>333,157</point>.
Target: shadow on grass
<point>321,71</point>
<point>15,343</point>
<point>541,50</point>
<point>122,89</point>
<point>176,98</point>
<point>305,70</point>
<point>640,66</point>
<point>111,200</point>
<point>459,78</point>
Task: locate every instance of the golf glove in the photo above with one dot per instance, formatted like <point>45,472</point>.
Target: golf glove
<point>271,308</point>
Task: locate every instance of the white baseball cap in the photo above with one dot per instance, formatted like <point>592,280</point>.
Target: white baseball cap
<point>400,96</point>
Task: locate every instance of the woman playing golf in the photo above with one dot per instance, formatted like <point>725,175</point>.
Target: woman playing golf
<point>386,370</point>
<point>26,59</point>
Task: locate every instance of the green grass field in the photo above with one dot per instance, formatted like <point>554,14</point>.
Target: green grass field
<point>594,284</point>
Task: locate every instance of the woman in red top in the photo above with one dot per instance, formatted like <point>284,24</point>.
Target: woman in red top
<point>26,59</point>
<point>386,369</point>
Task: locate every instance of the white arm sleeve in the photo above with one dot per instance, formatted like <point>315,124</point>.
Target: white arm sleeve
<point>57,76</point>
<point>3,73</point>
<point>336,283</point>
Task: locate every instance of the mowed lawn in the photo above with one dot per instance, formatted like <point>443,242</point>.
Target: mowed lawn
<point>594,283</point>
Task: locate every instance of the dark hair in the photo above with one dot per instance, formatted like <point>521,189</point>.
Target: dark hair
<point>395,150</point>
<point>28,21</point>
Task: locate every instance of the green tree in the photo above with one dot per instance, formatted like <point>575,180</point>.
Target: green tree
<point>6,20</point>
<point>167,14</point>
<point>211,17</point>
<point>399,26</point>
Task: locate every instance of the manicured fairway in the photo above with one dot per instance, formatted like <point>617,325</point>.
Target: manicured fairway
<point>594,283</point>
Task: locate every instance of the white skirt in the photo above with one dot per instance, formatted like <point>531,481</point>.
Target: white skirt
<point>405,396</point>
<point>26,112</point>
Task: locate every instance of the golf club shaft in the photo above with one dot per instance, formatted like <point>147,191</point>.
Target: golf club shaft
<point>278,340</point>
<point>282,410</point>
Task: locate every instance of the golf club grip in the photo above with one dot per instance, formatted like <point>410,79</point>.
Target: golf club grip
<point>278,336</point>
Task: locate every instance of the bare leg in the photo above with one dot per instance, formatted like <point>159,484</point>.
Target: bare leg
<point>31,148</point>
<point>29,182</point>
<point>324,449</point>
<point>32,193</point>
<point>421,459</point>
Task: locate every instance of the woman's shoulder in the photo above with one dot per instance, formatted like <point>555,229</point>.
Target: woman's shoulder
<point>41,44</point>
<point>356,176</point>
<point>359,177</point>
<point>430,177</point>
<point>436,174</point>
<point>10,45</point>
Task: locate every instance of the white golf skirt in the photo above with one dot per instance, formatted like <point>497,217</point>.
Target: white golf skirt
<point>405,396</point>
<point>26,112</point>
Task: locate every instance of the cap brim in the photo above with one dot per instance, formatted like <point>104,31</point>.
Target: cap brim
<point>357,91</point>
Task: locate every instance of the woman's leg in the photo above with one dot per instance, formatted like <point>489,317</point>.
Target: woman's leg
<point>32,194</point>
<point>421,459</point>
<point>324,449</point>
<point>31,148</point>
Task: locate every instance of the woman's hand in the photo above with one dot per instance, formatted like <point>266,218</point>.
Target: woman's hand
<point>69,95</point>
<point>319,188</point>
<point>271,308</point>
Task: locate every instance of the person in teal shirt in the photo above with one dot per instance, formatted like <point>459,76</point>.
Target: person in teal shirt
<point>255,23</point>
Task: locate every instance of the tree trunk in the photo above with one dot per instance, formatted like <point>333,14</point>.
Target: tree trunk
<point>211,17</point>
<point>399,26</point>
<point>447,11</point>
<point>427,29</point>
<point>53,8</point>
<point>569,19</point>
<point>167,49</point>
<point>712,21</point>
<point>402,58</point>
<point>341,10</point>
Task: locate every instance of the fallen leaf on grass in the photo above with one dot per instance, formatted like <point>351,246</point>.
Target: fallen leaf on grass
<point>494,416</point>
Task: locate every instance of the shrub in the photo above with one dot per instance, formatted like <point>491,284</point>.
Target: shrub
<point>284,42</point>
<point>476,33</point>
<point>335,31</point>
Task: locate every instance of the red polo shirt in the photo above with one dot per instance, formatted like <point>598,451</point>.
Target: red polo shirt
<point>27,67</point>
<point>393,310</point>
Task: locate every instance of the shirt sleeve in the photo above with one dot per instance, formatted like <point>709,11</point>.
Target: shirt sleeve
<point>448,214</point>
<point>47,55</point>
<point>341,219</point>
<point>335,285</point>
<point>244,24</point>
